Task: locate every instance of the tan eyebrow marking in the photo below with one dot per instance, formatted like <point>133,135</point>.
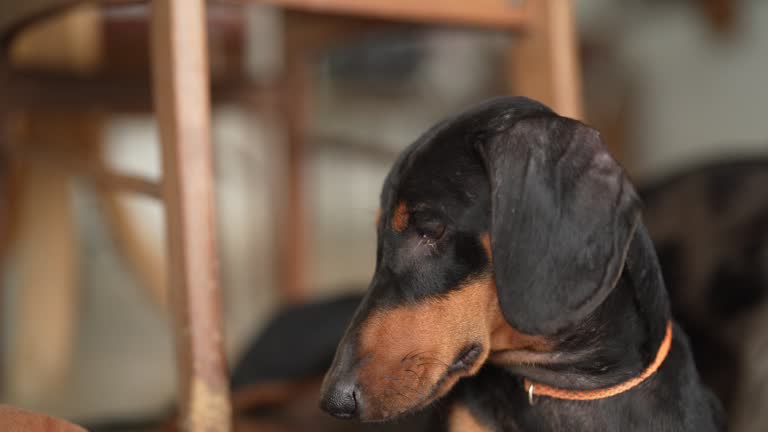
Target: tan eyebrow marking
<point>485,239</point>
<point>400,219</point>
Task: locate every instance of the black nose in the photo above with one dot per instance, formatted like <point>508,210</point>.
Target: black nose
<point>341,400</point>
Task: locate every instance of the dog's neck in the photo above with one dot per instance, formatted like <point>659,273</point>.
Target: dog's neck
<point>616,343</point>
<point>618,340</point>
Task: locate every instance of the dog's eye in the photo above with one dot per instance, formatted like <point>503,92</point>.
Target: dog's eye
<point>431,230</point>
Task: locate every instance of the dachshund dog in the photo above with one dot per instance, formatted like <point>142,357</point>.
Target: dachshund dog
<point>516,284</point>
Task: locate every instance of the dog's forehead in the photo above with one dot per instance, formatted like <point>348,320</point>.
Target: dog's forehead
<point>434,168</point>
<point>443,172</point>
<point>443,162</point>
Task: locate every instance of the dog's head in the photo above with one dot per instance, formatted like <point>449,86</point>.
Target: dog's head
<point>498,229</point>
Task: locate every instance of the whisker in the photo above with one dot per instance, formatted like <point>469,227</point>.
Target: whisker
<point>433,361</point>
<point>401,394</point>
<point>407,356</point>
<point>413,372</point>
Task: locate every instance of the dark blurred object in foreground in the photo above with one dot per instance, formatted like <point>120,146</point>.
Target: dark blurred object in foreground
<point>710,227</point>
<point>278,378</point>
<point>298,343</point>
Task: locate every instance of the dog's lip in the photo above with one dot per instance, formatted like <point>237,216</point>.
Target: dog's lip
<point>466,358</point>
<point>465,361</point>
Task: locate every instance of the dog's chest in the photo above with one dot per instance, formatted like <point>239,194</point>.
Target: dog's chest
<point>462,419</point>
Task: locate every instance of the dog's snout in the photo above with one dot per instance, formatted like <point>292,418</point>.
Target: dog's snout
<point>342,399</point>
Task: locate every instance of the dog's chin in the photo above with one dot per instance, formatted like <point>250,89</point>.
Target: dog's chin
<point>383,416</point>
<point>375,414</point>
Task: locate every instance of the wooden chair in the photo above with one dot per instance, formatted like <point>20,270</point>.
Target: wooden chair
<point>542,64</point>
<point>180,84</point>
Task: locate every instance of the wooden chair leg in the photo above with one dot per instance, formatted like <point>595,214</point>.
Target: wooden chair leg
<point>291,241</point>
<point>46,252</point>
<point>182,102</point>
<point>544,63</point>
<point>6,185</point>
<point>146,262</point>
<point>305,34</point>
<point>6,203</point>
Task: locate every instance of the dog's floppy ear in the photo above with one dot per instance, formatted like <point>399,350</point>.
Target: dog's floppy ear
<point>563,214</point>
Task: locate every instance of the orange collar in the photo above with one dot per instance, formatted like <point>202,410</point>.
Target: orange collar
<point>544,390</point>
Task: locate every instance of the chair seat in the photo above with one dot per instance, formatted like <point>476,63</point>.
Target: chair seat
<point>501,14</point>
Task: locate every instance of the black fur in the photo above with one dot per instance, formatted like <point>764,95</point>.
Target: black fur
<point>562,216</point>
<point>624,334</point>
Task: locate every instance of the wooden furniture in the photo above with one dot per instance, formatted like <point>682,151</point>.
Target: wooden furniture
<point>180,84</point>
<point>542,64</point>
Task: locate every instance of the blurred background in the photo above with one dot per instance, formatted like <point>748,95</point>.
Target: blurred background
<point>671,84</point>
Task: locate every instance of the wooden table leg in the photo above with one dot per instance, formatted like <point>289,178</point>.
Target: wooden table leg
<point>182,102</point>
<point>544,63</point>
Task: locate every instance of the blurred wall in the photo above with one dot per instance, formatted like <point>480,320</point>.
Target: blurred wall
<point>699,95</point>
